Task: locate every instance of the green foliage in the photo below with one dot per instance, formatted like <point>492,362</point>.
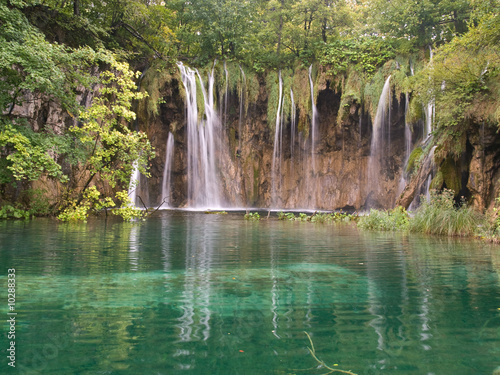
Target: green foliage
<point>492,229</point>
<point>79,210</point>
<point>26,161</point>
<point>38,203</point>
<point>252,216</point>
<point>365,54</point>
<point>111,148</point>
<point>394,220</point>
<point>420,23</point>
<point>11,212</point>
<point>462,80</point>
<point>414,160</point>
<point>286,216</point>
<point>127,211</point>
<point>303,217</point>
<point>334,217</point>
<point>440,216</point>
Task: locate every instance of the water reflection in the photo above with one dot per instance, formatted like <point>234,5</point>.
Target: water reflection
<point>205,293</point>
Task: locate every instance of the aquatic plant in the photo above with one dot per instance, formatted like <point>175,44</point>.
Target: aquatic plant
<point>286,216</point>
<point>252,216</point>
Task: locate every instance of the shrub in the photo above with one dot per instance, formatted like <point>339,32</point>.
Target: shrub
<point>440,216</point>
<point>396,219</point>
<point>11,212</point>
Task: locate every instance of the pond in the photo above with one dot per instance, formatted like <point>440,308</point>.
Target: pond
<point>191,293</point>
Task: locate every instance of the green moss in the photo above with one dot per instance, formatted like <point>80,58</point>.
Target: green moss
<point>373,90</point>
<point>200,100</point>
<point>415,111</point>
<point>352,91</point>
<point>451,175</point>
<point>272,88</point>
<point>154,80</point>
<point>437,181</point>
<point>414,160</point>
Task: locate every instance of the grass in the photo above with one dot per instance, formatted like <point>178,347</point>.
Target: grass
<point>438,216</point>
<point>318,217</point>
<point>394,220</point>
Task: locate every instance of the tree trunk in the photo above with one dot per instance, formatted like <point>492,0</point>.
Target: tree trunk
<point>76,7</point>
<point>280,29</point>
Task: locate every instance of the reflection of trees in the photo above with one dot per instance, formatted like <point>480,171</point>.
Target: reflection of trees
<point>198,289</point>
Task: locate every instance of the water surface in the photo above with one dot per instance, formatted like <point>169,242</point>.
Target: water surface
<point>190,293</point>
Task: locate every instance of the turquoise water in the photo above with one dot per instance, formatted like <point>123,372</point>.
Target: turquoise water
<point>190,293</point>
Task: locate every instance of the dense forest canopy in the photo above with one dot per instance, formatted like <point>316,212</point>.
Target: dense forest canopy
<point>54,50</point>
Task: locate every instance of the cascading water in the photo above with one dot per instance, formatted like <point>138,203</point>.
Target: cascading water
<point>226,93</point>
<point>167,172</point>
<point>314,117</point>
<point>408,143</point>
<point>242,101</point>
<point>293,130</point>
<point>430,108</point>
<point>134,184</point>
<point>380,139</point>
<point>278,147</point>
<point>203,137</point>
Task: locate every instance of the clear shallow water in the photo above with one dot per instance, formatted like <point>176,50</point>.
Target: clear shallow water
<point>190,293</point>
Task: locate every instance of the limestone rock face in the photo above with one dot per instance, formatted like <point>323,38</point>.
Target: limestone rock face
<point>332,175</point>
<point>483,170</point>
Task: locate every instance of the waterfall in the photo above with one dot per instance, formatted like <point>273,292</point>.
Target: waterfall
<point>242,101</point>
<point>293,123</point>
<point>310,179</point>
<point>313,119</point>
<point>430,108</point>
<point>293,130</point>
<point>408,145</point>
<point>203,138</point>
<point>134,184</point>
<point>167,172</point>
<point>226,94</point>
<point>381,128</point>
<point>278,147</point>
<point>428,188</point>
<point>407,128</point>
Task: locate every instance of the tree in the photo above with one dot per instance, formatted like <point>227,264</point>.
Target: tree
<point>422,22</point>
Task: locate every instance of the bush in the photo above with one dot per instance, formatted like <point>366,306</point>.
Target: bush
<point>394,220</point>
<point>440,216</point>
<point>11,212</point>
